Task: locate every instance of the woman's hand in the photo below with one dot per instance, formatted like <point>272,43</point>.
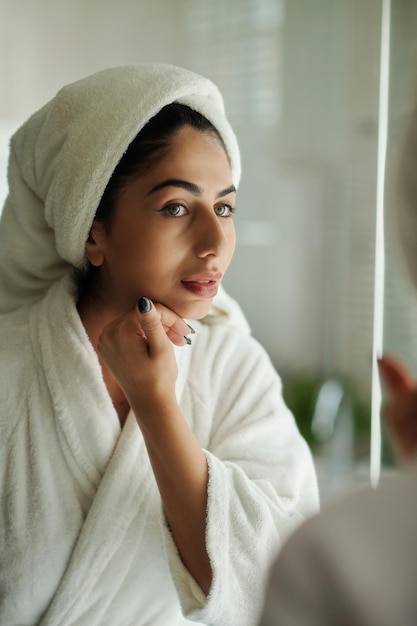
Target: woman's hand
<point>401,414</point>
<point>137,348</point>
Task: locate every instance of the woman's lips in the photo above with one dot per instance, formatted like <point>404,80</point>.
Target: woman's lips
<point>200,288</point>
<point>203,285</point>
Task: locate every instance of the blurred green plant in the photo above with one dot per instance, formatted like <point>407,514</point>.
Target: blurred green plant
<point>300,394</point>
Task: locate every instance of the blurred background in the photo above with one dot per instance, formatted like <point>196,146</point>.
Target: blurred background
<point>302,85</point>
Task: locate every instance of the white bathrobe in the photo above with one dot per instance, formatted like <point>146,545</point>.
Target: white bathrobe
<point>83,538</point>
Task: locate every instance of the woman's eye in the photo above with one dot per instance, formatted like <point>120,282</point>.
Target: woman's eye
<point>175,210</point>
<point>224,210</point>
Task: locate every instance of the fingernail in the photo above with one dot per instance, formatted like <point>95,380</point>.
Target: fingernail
<point>144,305</point>
<point>188,340</point>
<point>191,328</point>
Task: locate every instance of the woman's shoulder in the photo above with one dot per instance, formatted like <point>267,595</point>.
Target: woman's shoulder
<point>14,330</point>
<point>230,350</point>
<point>15,353</point>
<point>15,361</point>
<point>224,338</point>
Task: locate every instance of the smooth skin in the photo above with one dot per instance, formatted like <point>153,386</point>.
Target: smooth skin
<point>171,239</point>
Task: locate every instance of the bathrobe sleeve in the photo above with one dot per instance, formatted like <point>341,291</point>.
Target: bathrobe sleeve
<point>262,482</point>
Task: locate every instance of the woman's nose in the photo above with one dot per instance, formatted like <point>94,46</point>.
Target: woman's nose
<point>211,236</point>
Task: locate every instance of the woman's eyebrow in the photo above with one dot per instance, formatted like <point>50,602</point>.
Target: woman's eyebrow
<point>225,192</point>
<point>177,182</point>
<point>191,187</point>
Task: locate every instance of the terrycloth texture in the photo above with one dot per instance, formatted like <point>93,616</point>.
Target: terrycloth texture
<point>225,310</point>
<point>83,540</point>
<point>62,158</point>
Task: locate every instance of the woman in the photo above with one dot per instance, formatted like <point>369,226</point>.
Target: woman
<point>144,480</point>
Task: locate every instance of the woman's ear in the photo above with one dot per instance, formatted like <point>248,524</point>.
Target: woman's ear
<point>94,248</point>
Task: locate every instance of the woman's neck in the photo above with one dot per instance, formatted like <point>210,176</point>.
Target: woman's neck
<point>94,319</point>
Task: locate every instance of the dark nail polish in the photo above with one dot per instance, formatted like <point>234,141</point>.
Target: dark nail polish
<point>144,305</point>
<point>192,331</point>
<point>188,340</point>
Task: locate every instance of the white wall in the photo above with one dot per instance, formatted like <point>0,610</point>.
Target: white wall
<point>49,43</point>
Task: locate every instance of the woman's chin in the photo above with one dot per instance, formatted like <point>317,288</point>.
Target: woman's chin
<point>191,309</point>
<point>195,311</point>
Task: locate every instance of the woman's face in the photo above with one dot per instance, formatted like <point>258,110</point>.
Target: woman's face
<point>172,236</point>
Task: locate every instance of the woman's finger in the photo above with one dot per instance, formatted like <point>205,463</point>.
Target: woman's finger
<point>151,324</point>
<point>175,327</point>
<point>395,375</point>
